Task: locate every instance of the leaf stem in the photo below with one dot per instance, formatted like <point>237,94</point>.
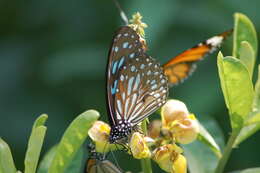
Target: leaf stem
<point>145,163</point>
<point>227,151</point>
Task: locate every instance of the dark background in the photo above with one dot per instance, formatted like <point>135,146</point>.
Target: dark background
<point>53,56</point>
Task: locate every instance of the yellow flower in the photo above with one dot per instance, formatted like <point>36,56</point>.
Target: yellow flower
<point>137,24</point>
<point>180,165</point>
<point>185,131</point>
<point>154,129</point>
<point>139,147</point>
<point>99,133</point>
<point>166,156</point>
<point>173,111</point>
<point>176,119</point>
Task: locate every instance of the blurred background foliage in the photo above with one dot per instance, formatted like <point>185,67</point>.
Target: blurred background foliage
<point>53,58</point>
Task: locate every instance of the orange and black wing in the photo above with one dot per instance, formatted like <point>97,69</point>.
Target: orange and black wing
<point>181,66</point>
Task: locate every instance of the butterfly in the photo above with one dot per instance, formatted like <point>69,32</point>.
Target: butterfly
<point>97,163</point>
<point>136,83</point>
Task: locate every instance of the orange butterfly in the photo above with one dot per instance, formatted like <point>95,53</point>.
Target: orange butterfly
<point>181,66</point>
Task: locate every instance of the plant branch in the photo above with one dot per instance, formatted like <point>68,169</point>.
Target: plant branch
<point>227,151</point>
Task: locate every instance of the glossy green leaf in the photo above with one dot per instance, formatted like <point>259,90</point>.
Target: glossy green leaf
<point>253,118</point>
<point>252,122</point>
<point>246,132</point>
<point>6,159</point>
<point>247,56</point>
<point>40,121</point>
<point>200,158</point>
<point>47,160</point>
<point>205,137</point>
<point>35,144</point>
<point>249,170</point>
<point>75,166</point>
<point>256,101</point>
<point>237,89</point>
<point>71,141</point>
<point>243,31</point>
<point>78,162</point>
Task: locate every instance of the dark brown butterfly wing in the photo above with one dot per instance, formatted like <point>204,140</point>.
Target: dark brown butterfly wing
<point>136,85</point>
<point>181,66</point>
<point>101,166</point>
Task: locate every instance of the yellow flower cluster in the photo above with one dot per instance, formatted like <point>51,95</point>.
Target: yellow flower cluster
<point>177,125</point>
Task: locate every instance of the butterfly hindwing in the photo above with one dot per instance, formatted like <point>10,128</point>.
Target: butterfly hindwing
<point>142,89</point>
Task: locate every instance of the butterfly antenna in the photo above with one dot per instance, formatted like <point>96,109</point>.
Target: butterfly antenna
<point>122,13</point>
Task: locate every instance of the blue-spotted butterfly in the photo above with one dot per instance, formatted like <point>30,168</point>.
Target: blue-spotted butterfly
<point>136,83</point>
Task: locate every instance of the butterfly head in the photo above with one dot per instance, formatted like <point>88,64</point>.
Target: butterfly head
<point>120,131</point>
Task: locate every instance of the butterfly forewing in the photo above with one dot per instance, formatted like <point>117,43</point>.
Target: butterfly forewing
<point>136,85</point>
<point>181,66</point>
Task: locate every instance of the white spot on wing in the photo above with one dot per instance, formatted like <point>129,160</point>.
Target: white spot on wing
<point>116,49</point>
<point>125,44</point>
<point>215,41</point>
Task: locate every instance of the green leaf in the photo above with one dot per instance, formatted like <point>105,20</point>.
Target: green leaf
<point>246,132</point>
<point>75,166</point>
<point>206,138</point>
<point>249,170</point>
<point>71,141</point>
<point>6,159</point>
<point>200,158</point>
<point>47,160</point>
<point>237,89</point>
<point>247,56</point>
<point>40,121</point>
<point>243,31</point>
<point>252,122</point>
<point>253,118</point>
<point>256,101</point>
<point>35,144</point>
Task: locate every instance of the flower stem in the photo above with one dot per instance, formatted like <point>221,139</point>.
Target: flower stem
<point>227,151</point>
<point>145,163</point>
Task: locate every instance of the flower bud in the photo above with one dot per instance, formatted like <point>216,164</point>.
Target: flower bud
<point>154,129</point>
<point>173,110</point>
<point>180,165</point>
<point>185,131</point>
<point>99,131</point>
<point>166,155</point>
<point>139,147</point>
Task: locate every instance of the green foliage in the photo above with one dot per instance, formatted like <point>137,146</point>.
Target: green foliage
<point>242,99</point>
<point>206,148</point>
<point>244,30</point>
<point>200,158</point>
<point>250,170</point>
<point>67,154</point>
<point>6,159</point>
<point>35,144</point>
<point>72,140</point>
<point>47,160</point>
<point>247,56</point>
<point>237,88</point>
<point>205,137</point>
